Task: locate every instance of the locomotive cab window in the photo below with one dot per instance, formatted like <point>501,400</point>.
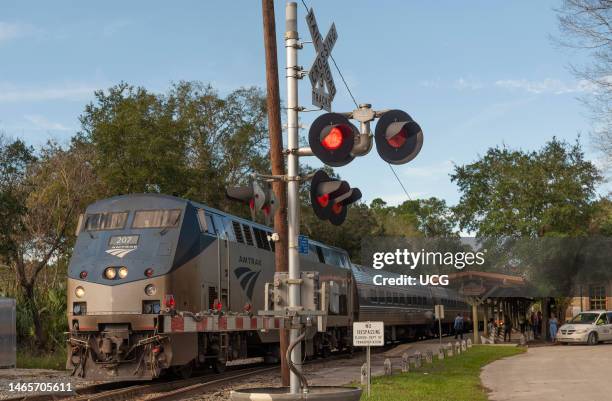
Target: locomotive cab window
<point>106,221</point>
<point>156,218</point>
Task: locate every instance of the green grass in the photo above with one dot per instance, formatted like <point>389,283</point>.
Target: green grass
<point>452,379</point>
<point>30,360</point>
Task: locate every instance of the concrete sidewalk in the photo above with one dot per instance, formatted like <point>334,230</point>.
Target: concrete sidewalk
<point>573,373</point>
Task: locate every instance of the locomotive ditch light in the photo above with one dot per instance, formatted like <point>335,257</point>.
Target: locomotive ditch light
<point>79,292</point>
<point>331,138</point>
<point>150,290</point>
<point>398,137</point>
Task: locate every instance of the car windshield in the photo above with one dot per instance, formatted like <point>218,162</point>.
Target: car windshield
<point>584,318</point>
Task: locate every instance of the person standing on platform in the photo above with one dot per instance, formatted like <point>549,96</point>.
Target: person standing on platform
<point>553,324</point>
<point>507,328</point>
<point>458,326</point>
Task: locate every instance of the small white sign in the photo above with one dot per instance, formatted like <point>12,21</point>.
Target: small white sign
<point>439,311</point>
<point>368,334</point>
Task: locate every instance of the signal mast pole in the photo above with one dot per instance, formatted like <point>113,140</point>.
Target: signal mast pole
<point>293,207</point>
<point>276,158</point>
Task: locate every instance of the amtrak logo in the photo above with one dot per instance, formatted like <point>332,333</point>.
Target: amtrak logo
<point>119,252</point>
<point>247,278</point>
<point>121,245</point>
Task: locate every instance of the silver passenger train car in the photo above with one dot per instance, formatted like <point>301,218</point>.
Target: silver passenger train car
<point>140,260</point>
<point>406,311</point>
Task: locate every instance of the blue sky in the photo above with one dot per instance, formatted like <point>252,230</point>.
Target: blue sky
<point>474,74</point>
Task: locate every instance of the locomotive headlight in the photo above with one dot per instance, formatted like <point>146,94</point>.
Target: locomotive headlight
<point>150,290</point>
<point>110,273</point>
<point>123,271</point>
<point>79,292</point>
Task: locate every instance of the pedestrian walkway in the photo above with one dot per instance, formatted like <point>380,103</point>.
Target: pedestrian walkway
<point>573,373</point>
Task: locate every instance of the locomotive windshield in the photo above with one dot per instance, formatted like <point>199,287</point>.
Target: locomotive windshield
<point>106,221</point>
<point>156,218</point>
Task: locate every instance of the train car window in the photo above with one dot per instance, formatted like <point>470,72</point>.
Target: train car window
<point>247,234</point>
<point>373,297</point>
<point>320,254</point>
<point>333,257</point>
<point>156,218</point>
<point>238,232</point>
<point>389,298</point>
<point>106,221</point>
<point>381,297</point>
<point>395,298</point>
<point>402,299</point>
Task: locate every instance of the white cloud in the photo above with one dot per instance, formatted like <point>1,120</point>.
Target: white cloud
<point>547,85</point>
<point>467,84</point>
<point>43,123</point>
<point>14,30</point>
<point>12,94</point>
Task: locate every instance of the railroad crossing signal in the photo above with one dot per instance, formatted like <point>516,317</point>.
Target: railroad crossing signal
<point>259,199</point>
<point>320,74</point>
<point>330,197</point>
<point>331,138</point>
<point>398,137</point>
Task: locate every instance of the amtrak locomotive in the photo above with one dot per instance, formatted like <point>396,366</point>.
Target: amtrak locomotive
<point>142,260</point>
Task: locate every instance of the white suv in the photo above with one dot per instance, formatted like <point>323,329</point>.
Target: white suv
<point>590,327</point>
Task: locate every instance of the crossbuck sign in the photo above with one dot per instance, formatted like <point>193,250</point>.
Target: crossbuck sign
<point>323,87</point>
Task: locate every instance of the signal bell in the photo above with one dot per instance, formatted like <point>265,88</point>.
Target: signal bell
<point>330,197</point>
<point>398,137</point>
<point>331,138</point>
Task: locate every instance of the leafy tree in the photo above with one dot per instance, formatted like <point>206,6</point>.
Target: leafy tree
<point>53,188</point>
<point>189,142</point>
<point>516,193</point>
<point>15,156</point>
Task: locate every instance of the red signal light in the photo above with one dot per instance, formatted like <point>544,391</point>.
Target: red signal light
<point>334,138</point>
<point>149,272</point>
<point>83,275</point>
<point>323,200</point>
<point>337,208</point>
<point>398,140</point>
<point>218,306</point>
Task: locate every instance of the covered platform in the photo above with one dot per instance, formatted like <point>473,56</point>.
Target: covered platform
<point>496,295</point>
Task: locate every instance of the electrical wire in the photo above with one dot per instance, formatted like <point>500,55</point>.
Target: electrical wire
<point>357,105</point>
<point>399,181</point>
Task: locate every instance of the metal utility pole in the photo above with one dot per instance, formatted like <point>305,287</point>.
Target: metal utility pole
<point>276,159</point>
<point>293,207</point>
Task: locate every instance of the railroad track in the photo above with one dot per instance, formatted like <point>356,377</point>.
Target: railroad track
<point>160,391</point>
